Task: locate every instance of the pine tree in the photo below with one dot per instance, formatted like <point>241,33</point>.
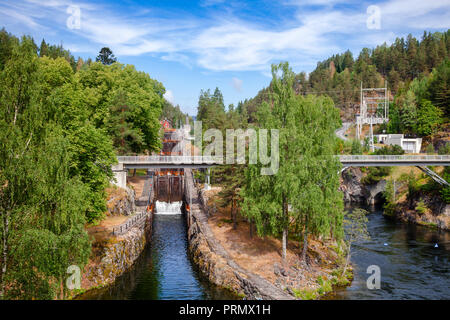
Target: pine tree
<point>106,56</point>
<point>43,49</point>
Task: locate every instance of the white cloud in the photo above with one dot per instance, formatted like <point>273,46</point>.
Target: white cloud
<point>227,43</point>
<point>237,84</point>
<point>169,96</point>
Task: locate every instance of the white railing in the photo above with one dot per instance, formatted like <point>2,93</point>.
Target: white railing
<point>220,160</point>
<point>394,158</point>
<point>169,159</point>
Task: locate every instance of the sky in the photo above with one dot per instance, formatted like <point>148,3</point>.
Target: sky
<point>193,45</point>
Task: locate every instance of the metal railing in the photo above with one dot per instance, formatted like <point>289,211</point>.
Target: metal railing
<point>169,159</point>
<point>394,158</point>
<point>127,225</point>
<point>219,160</point>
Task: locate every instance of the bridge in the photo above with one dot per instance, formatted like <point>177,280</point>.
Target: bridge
<point>199,162</point>
<point>394,160</point>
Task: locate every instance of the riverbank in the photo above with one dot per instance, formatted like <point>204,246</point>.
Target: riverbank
<point>118,240</point>
<point>425,207</point>
<point>252,267</point>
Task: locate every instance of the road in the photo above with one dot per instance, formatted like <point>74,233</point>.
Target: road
<point>341,131</point>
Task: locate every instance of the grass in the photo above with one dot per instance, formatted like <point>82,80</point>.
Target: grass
<point>306,294</point>
<point>325,285</point>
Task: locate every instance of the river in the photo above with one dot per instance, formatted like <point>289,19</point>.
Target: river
<point>413,260</point>
<point>164,271</point>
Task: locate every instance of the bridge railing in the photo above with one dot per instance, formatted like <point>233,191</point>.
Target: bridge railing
<point>169,159</point>
<point>394,158</point>
<point>219,160</point>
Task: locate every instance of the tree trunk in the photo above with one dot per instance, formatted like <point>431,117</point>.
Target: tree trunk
<point>348,259</point>
<point>251,229</point>
<point>5,233</point>
<point>233,206</point>
<point>285,229</point>
<point>305,241</point>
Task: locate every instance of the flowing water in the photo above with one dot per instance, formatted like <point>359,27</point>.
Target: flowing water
<point>413,261</point>
<point>164,270</point>
<point>168,208</point>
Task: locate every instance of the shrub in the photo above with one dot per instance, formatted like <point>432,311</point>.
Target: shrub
<point>421,207</point>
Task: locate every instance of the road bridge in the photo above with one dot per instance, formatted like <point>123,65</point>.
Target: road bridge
<point>200,162</point>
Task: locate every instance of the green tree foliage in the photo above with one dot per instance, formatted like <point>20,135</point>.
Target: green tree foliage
<point>413,187</point>
<point>127,137</point>
<point>106,56</point>
<point>41,202</point>
<point>375,174</point>
<point>439,87</point>
<point>390,197</point>
<point>445,191</point>
<point>303,194</point>
<point>232,182</point>
<point>211,110</point>
<point>173,114</point>
<point>340,76</point>
<point>356,147</point>
<point>429,118</point>
<point>59,122</point>
<point>105,86</point>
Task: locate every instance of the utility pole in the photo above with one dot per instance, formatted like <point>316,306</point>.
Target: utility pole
<point>370,100</point>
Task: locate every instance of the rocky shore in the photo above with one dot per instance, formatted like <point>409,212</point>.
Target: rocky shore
<point>436,214</point>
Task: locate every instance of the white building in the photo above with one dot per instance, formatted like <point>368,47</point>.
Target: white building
<point>410,145</point>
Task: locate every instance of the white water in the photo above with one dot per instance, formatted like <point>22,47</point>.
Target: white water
<point>168,208</point>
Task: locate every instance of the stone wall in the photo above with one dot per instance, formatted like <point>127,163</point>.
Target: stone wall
<point>116,255</point>
<point>213,260</point>
<point>355,191</point>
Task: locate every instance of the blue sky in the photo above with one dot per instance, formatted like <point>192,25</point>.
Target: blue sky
<point>194,45</point>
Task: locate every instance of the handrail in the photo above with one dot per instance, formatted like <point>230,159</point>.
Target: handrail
<point>124,227</point>
<point>169,159</point>
<point>219,160</point>
<point>394,158</point>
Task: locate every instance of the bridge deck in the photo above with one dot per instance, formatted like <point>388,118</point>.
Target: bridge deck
<point>394,160</point>
<point>136,162</point>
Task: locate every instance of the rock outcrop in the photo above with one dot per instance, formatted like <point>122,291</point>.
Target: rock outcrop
<point>121,201</point>
<point>436,214</point>
<point>351,186</point>
<point>356,192</point>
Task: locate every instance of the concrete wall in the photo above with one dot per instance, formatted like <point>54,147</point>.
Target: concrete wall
<point>120,176</point>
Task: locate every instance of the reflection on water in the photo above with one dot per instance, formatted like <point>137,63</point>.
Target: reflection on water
<point>414,262</point>
<point>164,270</point>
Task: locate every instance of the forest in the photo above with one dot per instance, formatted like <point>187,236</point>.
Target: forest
<point>417,75</point>
<point>62,123</point>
